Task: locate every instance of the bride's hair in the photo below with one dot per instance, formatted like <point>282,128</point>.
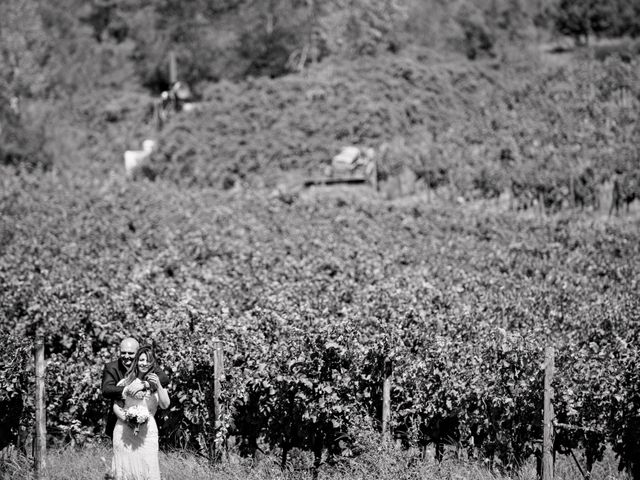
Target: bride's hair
<point>133,372</point>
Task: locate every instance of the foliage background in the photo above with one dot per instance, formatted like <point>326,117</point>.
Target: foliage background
<point>314,292</point>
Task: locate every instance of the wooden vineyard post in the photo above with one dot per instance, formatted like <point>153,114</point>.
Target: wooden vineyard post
<point>374,175</point>
<point>547,440</point>
<point>173,68</point>
<point>386,399</point>
<point>41,426</point>
<point>218,371</point>
<point>541,205</point>
<point>572,190</point>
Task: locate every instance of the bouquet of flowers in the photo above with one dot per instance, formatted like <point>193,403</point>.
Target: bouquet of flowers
<point>136,415</point>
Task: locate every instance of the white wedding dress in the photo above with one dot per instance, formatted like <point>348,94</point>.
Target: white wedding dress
<point>135,457</point>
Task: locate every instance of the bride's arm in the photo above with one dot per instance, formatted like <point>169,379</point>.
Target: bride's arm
<point>119,411</point>
<point>163,396</point>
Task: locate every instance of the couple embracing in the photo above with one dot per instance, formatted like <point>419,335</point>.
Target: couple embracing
<point>136,386</point>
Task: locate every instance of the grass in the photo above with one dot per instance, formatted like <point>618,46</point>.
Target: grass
<point>379,462</point>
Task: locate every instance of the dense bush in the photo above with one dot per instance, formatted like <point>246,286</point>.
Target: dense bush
<point>22,142</point>
<point>583,19</point>
<point>15,382</point>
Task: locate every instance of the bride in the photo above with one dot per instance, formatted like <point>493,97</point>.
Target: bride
<point>135,437</point>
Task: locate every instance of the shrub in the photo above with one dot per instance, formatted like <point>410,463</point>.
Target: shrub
<point>21,144</point>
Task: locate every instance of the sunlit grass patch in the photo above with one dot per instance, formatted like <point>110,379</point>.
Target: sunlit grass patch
<point>379,461</point>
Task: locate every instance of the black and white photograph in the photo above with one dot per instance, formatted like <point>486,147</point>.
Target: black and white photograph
<point>319,240</point>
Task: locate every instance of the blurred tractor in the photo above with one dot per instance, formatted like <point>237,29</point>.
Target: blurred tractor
<point>353,165</point>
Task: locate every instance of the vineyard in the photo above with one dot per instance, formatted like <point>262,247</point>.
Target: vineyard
<point>313,298</point>
<point>318,299</point>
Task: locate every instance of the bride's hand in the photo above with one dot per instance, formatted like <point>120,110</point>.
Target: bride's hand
<point>153,379</point>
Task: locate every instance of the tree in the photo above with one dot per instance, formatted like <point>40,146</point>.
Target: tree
<point>627,21</point>
<point>23,47</point>
<point>581,19</point>
<point>479,39</point>
<point>278,31</point>
<point>24,54</point>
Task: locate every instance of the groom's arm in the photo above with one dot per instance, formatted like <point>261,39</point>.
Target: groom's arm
<point>109,389</point>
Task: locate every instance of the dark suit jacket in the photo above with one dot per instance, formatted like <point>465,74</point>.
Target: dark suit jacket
<point>114,372</point>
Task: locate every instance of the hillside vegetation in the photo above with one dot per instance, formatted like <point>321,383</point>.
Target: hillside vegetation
<point>479,129</point>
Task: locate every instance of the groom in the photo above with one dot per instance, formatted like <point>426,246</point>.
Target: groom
<point>115,371</point>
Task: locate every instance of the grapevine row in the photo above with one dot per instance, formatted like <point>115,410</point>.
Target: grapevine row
<point>317,391</point>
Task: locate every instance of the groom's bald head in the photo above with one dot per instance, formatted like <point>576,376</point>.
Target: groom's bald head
<point>128,348</point>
